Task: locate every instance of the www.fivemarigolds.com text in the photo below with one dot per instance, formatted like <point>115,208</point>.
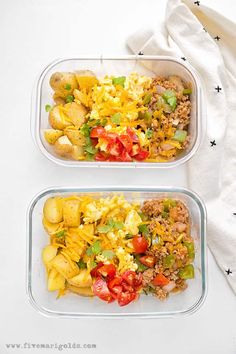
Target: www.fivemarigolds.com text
<point>57,346</point>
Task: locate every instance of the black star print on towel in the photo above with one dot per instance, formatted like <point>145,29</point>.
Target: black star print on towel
<point>183,58</point>
<point>218,88</point>
<point>234,214</point>
<point>217,38</point>
<point>140,53</point>
<point>197,3</point>
<point>228,271</point>
<point>213,143</point>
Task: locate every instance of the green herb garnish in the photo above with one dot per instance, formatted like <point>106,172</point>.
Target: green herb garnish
<point>94,249</point>
<point>143,229</point>
<point>111,224</point>
<point>69,98</point>
<point>68,87</point>
<point>119,81</point>
<point>90,149</point>
<point>48,108</point>
<point>116,118</point>
<point>82,264</point>
<point>149,133</point>
<point>108,254</point>
<point>60,234</point>
<point>85,130</point>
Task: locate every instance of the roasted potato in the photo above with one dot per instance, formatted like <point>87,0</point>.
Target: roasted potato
<point>86,79</point>
<point>80,291</point>
<point>82,280</point>
<point>75,136</point>
<point>76,113</point>
<point>77,153</point>
<point>49,252</point>
<point>63,146</point>
<point>82,97</point>
<point>57,119</point>
<point>64,267</point>
<point>71,213</point>
<point>58,100</point>
<point>63,83</point>
<point>51,135</point>
<point>52,210</point>
<point>49,227</point>
<point>55,281</point>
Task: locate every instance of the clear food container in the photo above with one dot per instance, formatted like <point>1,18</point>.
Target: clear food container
<point>145,65</point>
<point>73,305</point>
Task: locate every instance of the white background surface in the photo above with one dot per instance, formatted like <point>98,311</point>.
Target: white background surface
<point>32,34</point>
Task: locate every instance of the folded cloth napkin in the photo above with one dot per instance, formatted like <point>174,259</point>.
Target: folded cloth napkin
<point>199,35</point>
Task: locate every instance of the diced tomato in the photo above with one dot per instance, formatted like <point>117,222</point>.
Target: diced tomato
<point>142,155</point>
<point>125,157</point>
<point>94,271</point>
<point>131,278</point>
<point>126,142</point>
<point>115,148</point>
<point>94,141</point>
<point>107,270</point>
<point>115,281</point>
<point>135,150</point>
<point>125,298</point>
<point>160,280</point>
<point>101,290</point>
<point>140,244</point>
<point>100,156</point>
<point>97,132</point>
<point>132,135</point>
<point>148,261</point>
<point>126,287</point>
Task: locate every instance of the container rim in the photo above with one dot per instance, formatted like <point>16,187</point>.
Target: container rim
<point>36,114</point>
<point>161,189</point>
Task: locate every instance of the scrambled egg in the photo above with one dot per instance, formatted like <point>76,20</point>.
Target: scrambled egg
<point>132,221</point>
<point>126,260</point>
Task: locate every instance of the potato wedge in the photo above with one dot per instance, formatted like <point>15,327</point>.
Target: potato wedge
<point>86,79</point>
<point>52,210</point>
<point>48,253</point>
<point>77,153</point>
<point>71,213</point>
<point>80,291</point>
<point>82,280</point>
<point>49,227</point>
<point>76,113</point>
<point>63,146</point>
<point>57,119</point>
<point>75,136</point>
<point>81,97</point>
<point>51,135</point>
<point>64,267</point>
<point>55,281</point>
<point>63,83</point>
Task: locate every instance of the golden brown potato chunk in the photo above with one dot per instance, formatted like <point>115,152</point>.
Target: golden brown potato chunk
<point>52,210</point>
<point>57,119</point>
<point>63,83</point>
<point>71,213</point>
<point>63,146</point>
<point>64,267</point>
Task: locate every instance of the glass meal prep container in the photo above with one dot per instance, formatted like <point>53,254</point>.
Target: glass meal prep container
<point>144,65</point>
<point>75,306</point>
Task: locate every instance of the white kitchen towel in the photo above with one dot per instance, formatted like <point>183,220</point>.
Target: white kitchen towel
<point>205,39</point>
